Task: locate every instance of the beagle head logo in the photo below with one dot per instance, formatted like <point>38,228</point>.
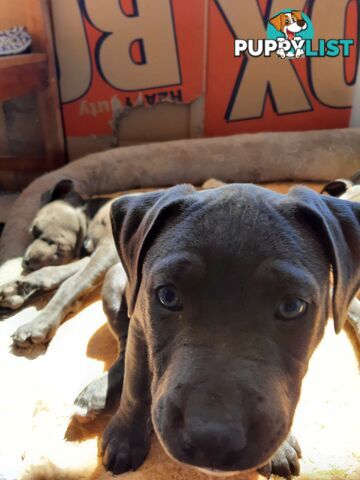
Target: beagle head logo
<point>290,24</point>
<point>290,27</point>
<point>290,35</point>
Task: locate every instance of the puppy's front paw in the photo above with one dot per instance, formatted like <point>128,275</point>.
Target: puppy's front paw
<point>92,400</point>
<point>38,331</point>
<point>14,294</point>
<point>285,462</point>
<point>124,447</point>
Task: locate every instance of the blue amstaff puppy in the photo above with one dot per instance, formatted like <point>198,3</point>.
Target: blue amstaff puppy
<point>228,297</point>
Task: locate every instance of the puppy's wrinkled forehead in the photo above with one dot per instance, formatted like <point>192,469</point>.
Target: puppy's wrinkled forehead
<point>232,224</point>
<point>244,239</point>
<point>56,215</point>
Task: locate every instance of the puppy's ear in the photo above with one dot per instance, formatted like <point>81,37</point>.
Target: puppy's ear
<point>58,192</point>
<point>136,221</point>
<point>336,223</point>
<point>64,189</point>
<point>297,14</point>
<point>277,21</point>
<point>337,187</point>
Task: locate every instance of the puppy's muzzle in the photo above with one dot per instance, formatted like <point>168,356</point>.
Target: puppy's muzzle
<point>212,444</point>
<point>29,265</point>
<point>215,447</point>
<point>210,435</point>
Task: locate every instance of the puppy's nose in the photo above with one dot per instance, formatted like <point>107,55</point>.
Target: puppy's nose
<point>30,264</point>
<point>301,23</point>
<point>214,445</point>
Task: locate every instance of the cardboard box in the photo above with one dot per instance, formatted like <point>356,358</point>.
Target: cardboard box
<point>138,71</point>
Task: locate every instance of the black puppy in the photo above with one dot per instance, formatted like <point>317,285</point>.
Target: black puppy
<point>228,297</point>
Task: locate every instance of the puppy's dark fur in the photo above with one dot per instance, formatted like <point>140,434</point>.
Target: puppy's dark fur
<point>219,377</point>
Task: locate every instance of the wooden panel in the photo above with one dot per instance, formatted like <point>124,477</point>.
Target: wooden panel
<point>18,60</point>
<point>12,13</point>
<point>23,74</point>
<point>20,79</point>
<point>14,164</point>
<point>39,24</point>
<point>8,181</point>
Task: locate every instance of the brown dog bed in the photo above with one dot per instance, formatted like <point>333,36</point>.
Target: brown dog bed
<point>262,157</point>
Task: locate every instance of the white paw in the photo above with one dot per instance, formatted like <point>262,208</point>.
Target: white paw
<point>92,400</point>
<point>39,331</point>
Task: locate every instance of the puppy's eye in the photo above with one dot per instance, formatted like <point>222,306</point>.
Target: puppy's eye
<point>287,21</point>
<point>49,241</point>
<point>291,308</point>
<point>169,297</point>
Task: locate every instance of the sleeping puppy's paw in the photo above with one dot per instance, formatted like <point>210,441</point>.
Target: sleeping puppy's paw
<point>14,294</point>
<point>39,331</point>
<point>92,400</point>
<point>285,462</point>
<point>124,447</point>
